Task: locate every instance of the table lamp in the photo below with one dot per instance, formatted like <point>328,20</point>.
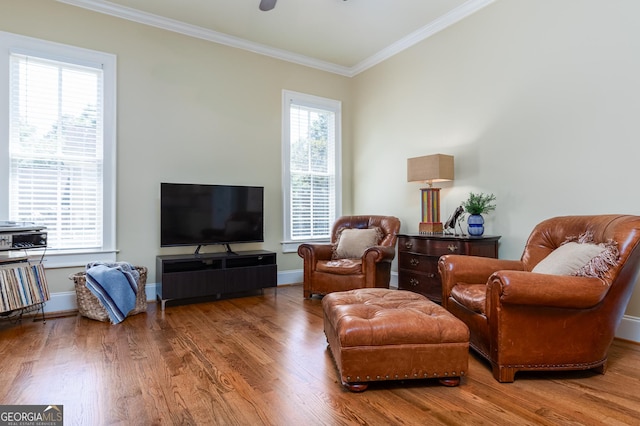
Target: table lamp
<point>430,169</point>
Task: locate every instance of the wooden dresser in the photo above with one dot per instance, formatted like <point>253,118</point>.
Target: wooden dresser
<point>418,256</point>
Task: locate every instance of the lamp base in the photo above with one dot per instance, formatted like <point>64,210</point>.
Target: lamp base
<point>430,227</point>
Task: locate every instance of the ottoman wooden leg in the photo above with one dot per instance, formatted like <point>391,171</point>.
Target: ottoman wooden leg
<point>356,387</point>
<point>451,381</point>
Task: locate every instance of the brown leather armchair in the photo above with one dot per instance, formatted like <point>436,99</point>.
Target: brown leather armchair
<point>522,320</point>
<point>323,273</point>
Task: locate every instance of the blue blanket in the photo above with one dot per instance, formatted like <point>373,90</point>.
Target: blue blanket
<point>116,287</point>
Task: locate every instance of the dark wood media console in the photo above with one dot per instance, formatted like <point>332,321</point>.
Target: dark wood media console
<point>188,276</point>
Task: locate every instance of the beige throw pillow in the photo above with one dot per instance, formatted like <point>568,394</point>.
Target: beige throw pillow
<point>568,258</point>
<point>352,243</point>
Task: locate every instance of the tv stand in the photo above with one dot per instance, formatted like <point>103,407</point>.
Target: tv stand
<point>229,251</point>
<point>198,276</point>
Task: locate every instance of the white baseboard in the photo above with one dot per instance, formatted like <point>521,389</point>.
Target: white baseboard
<point>61,302</point>
<point>66,301</point>
<point>294,276</point>
<point>629,328</point>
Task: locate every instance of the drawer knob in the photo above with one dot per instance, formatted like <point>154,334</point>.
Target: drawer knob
<point>408,244</point>
<point>414,261</point>
<point>431,275</point>
<point>452,248</point>
<point>414,282</point>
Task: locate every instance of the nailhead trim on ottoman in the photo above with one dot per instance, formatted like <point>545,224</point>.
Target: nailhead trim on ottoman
<point>382,334</point>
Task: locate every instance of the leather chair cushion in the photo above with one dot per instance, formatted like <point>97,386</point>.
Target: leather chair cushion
<point>340,266</point>
<point>471,296</point>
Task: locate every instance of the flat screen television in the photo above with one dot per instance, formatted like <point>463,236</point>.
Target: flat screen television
<point>198,215</point>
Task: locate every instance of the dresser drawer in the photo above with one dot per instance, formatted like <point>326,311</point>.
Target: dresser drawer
<point>430,247</point>
<point>428,284</point>
<point>418,257</point>
<point>416,263</point>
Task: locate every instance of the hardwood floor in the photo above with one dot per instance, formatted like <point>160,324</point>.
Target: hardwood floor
<point>264,360</point>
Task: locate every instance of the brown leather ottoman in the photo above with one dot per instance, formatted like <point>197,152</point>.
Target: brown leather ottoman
<point>381,334</point>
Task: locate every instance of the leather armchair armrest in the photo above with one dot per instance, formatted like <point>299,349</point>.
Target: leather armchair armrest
<point>311,253</point>
<point>377,254</point>
<point>455,268</point>
<point>475,269</point>
<point>558,291</point>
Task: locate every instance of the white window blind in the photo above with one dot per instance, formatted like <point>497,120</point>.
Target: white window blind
<point>312,140</point>
<point>60,151</point>
<point>55,150</point>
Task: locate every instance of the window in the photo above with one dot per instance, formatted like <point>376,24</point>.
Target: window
<point>311,172</point>
<point>58,155</point>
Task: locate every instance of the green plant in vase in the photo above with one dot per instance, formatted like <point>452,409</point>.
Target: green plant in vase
<point>477,205</point>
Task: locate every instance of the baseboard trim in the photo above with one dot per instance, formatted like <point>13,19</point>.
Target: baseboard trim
<point>66,300</point>
<point>293,276</point>
<point>629,328</point>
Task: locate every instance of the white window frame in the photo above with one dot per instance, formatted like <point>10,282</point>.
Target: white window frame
<point>64,53</point>
<point>296,98</point>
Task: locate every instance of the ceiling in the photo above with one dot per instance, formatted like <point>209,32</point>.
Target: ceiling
<point>340,36</point>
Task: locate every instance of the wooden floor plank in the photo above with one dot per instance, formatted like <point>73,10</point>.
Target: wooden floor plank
<point>263,360</point>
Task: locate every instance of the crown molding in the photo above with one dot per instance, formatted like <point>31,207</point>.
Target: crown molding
<point>173,25</point>
<point>435,26</point>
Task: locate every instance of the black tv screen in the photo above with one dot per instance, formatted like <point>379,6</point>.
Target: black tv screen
<point>195,215</point>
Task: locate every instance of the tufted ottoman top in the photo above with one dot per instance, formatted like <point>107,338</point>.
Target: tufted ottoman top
<point>378,316</point>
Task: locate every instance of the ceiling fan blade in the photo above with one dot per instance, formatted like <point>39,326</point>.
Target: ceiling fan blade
<point>267,4</point>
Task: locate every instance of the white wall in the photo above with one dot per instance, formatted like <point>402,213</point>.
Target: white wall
<point>538,100</point>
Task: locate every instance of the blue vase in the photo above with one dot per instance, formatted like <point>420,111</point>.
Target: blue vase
<point>476,225</point>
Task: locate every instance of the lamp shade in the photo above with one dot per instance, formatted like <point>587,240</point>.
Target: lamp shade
<point>430,168</point>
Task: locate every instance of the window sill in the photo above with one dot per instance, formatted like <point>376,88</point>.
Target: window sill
<point>292,246</point>
<point>53,259</point>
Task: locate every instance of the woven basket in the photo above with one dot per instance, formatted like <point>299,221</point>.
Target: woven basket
<point>89,306</point>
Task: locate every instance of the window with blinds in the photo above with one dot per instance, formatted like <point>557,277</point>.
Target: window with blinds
<point>312,182</point>
<point>55,150</point>
<point>60,151</point>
